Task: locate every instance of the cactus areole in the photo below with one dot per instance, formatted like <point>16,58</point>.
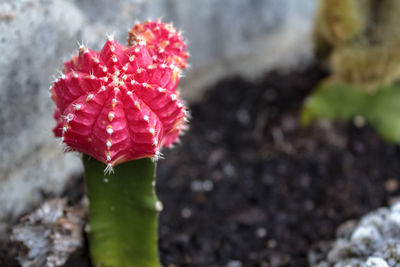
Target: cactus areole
<point>119,107</point>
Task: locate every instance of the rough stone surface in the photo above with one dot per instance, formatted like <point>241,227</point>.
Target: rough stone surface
<point>373,241</point>
<point>49,235</point>
<point>33,37</point>
<point>225,38</point>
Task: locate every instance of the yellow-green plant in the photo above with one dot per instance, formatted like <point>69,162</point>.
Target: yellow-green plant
<point>360,41</point>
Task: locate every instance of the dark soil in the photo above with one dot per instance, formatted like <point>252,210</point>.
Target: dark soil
<point>259,189</point>
<point>248,186</point>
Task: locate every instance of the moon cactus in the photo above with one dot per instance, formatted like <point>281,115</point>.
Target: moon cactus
<point>119,107</point>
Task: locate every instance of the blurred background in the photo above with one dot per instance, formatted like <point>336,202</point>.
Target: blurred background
<point>226,38</point>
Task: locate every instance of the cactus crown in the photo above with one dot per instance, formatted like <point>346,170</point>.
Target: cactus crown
<point>121,103</point>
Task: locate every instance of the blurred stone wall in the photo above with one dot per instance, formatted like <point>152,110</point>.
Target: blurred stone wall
<point>225,38</point>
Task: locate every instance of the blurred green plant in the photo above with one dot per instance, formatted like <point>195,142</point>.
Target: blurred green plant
<point>359,40</point>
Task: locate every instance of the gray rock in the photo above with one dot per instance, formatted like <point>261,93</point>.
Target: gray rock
<point>34,35</point>
<point>50,234</point>
<point>376,262</point>
<point>225,37</point>
<point>373,241</point>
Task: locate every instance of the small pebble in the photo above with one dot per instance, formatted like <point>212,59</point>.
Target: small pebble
<point>365,233</point>
<point>234,263</point>
<point>196,186</point>
<point>243,116</point>
<point>376,262</point>
<point>229,170</point>
<point>271,243</point>
<point>261,232</point>
<point>359,121</point>
<point>391,185</point>
<point>186,213</point>
<point>208,185</point>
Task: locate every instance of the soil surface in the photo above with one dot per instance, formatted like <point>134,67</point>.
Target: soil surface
<point>248,186</point>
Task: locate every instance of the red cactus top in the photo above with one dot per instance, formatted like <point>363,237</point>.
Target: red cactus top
<point>121,103</point>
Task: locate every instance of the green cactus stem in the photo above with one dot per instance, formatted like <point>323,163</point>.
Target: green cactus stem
<point>123,213</point>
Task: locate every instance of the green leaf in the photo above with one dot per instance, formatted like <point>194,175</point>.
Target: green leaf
<point>340,101</point>
<point>122,214</point>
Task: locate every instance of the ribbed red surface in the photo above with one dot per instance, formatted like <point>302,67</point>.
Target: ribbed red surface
<point>121,103</point>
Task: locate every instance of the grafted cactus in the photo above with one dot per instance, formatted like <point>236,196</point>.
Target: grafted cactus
<point>119,107</point>
<point>360,42</point>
